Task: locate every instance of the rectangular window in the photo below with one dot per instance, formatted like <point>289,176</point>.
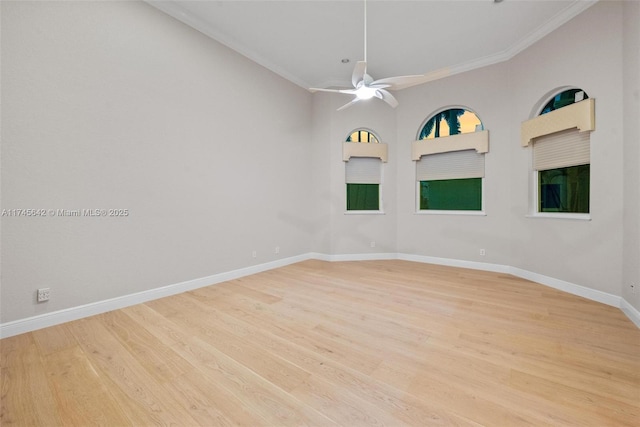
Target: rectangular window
<point>562,164</point>
<point>363,197</point>
<point>450,181</point>
<point>363,177</point>
<point>564,189</point>
<point>451,194</point>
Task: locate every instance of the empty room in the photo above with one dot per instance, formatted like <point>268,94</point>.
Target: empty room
<point>318,212</point>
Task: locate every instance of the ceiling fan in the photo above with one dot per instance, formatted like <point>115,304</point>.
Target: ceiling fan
<point>364,87</point>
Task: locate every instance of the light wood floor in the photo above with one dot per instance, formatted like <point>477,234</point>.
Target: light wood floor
<point>354,343</point>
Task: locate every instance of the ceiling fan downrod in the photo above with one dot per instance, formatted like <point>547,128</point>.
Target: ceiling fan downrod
<point>364,87</point>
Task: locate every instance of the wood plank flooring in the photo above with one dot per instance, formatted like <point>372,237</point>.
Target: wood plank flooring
<point>353,343</point>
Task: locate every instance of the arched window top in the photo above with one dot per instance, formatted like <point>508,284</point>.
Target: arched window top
<point>364,136</point>
<point>561,109</point>
<point>363,143</point>
<point>564,98</point>
<point>452,121</point>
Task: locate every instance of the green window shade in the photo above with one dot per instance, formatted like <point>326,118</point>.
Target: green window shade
<point>451,194</point>
<point>564,190</point>
<point>363,197</point>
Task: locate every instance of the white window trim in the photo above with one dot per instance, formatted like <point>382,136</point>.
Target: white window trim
<point>364,213</point>
<point>380,210</point>
<point>573,216</point>
<point>419,211</point>
<point>534,213</point>
<point>439,212</point>
<point>580,115</point>
<point>478,141</point>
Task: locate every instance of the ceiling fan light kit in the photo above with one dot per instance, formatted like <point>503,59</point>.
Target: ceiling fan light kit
<point>364,87</point>
<point>365,92</point>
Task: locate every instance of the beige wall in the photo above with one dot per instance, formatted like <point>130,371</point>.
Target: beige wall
<point>457,236</point>
<point>347,233</point>
<point>117,105</point>
<point>587,53</point>
<point>631,136</point>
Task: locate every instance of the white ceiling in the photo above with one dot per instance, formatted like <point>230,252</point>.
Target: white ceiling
<point>305,40</point>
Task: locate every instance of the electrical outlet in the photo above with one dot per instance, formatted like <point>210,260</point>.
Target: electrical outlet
<point>277,249</point>
<point>373,244</point>
<point>44,294</point>
<point>482,252</point>
<point>254,254</point>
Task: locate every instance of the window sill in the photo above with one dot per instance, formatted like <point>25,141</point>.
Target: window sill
<point>364,212</point>
<point>437,212</point>
<point>575,216</point>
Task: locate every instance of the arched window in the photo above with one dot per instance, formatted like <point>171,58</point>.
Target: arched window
<point>564,98</point>
<point>452,121</point>
<point>363,170</point>
<point>562,153</point>
<point>362,135</point>
<point>450,161</point>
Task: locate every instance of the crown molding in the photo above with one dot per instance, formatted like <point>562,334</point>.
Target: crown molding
<point>174,9</point>
<point>558,20</point>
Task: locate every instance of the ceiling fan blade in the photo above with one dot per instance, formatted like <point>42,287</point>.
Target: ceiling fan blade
<point>401,82</point>
<point>345,106</point>
<point>387,97</point>
<point>347,91</point>
<point>359,72</point>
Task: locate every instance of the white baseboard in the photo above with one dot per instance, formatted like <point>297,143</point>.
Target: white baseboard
<point>496,268</point>
<point>572,288</point>
<point>352,257</point>
<point>74,313</point>
<point>630,311</point>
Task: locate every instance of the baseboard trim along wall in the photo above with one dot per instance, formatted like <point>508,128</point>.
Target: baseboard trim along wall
<point>57,317</point>
<point>74,313</point>
<point>572,288</point>
<point>561,285</point>
<point>630,311</point>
